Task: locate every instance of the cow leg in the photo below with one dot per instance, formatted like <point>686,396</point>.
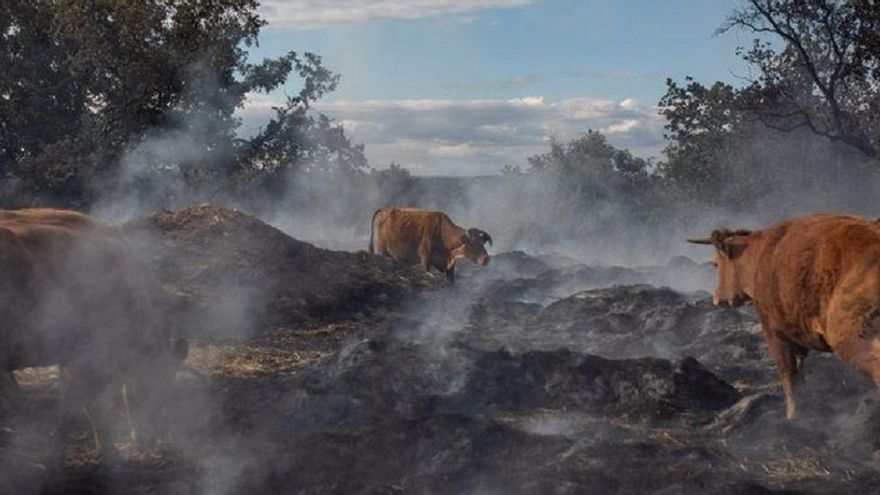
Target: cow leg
<point>855,338</point>
<point>97,415</point>
<point>864,355</point>
<point>785,356</point>
<point>64,422</point>
<point>88,387</point>
<point>126,405</point>
<point>800,354</point>
<point>425,255</point>
<point>143,415</point>
<point>11,400</point>
<point>381,248</point>
<point>58,443</point>
<point>450,275</point>
<point>9,391</point>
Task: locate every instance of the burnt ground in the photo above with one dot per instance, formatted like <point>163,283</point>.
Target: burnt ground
<point>315,371</point>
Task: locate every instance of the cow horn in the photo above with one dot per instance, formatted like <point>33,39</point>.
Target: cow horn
<point>705,240</point>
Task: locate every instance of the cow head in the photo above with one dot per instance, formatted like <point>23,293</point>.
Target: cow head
<point>473,243</point>
<point>735,268</point>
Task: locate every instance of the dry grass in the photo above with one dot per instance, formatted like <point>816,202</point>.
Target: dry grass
<point>243,360</point>
<point>37,377</point>
<point>281,353</point>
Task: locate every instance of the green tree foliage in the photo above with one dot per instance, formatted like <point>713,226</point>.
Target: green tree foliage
<point>587,174</point>
<point>698,120</point>
<point>295,137</point>
<point>703,126</point>
<point>597,168</point>
<point>40,101</point>
<point>100,95</point>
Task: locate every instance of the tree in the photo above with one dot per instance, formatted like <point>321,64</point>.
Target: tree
<point>587,174</point>
<point>593,160</point>
<point>700,124</point>
<point>720,155</point>
<point>817,74</point>
<point>825,76</point>
<point>40,101</point>
<point>294,138</point>
<point>101,95</point>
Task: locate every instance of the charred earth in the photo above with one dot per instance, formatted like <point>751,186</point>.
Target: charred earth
<point>316,371</point>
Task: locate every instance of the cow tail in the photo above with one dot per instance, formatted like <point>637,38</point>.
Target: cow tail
<point>372,226</point>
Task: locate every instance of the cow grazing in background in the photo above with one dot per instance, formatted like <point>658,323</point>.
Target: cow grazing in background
<point>71,295</point>
<point>815,283</point>
<point>429,238</point>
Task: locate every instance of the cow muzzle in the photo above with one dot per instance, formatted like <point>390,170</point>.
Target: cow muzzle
<point>733,302</point>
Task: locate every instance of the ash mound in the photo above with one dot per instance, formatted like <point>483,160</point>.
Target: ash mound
<point>244,275</point>
<point>626,321</point>
<point>543,279</point>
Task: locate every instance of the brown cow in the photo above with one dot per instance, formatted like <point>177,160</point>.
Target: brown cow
<point>429,238</point>
<point>70,295</point>
<point>815,283</point>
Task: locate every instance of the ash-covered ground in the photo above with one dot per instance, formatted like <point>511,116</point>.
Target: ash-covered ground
<point>316,371</point>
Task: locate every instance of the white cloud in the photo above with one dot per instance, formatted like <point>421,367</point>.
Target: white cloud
<point>361,125</point>
<point>532,101</point>
<point>504,129</point>
<point>259,102</point>
<point>475,137</point>
<point>629,103</point>
<point>622,127</point>
<point>588,108</point>
<point>311,13</point>
<point>456,150</point>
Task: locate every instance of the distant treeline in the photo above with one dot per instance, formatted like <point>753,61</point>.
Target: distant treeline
<point>132,102</point>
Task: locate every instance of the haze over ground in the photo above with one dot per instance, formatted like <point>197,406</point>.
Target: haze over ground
<point>587,348</point>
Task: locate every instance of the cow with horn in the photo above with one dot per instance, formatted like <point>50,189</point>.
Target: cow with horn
<point>429,238</point>
<point>815,284</point>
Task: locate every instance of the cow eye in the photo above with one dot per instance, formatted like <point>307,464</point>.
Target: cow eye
<point>715,264</point>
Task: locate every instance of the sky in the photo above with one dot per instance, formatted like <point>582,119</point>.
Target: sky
<point>465,87</point>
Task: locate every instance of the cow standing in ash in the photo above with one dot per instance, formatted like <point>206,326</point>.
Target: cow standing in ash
<point>815,284</point>
<point>429,238</point>
<point>71,295</point>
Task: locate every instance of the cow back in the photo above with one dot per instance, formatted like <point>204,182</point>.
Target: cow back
<point>802,263</point>
<point>403,231</point>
